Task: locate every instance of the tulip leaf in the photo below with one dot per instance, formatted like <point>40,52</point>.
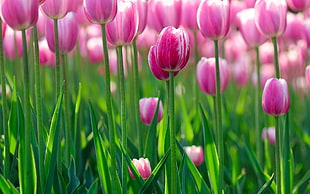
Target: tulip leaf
<point>13,123</point>
<point>304,179</point>
<point>93,189</point>
<point>6,186</point>
<point>286,158</point>
<point>189,132</point>
<point>74,181</point>
<point>266,186</point>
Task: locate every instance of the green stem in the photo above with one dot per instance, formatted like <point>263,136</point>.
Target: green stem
<point>57,69</point>
<point>278,156</point>
<point>286,178</point>
<point>38,99</point>
<point>123,114</point>
<point>172,135</point>
<point>7,161</point>
<point>215,127</point>
<point>109,109</point>
<point>276,58</point>
<point>258,131</point>
<point>220,135</point>
<point>196,89</point>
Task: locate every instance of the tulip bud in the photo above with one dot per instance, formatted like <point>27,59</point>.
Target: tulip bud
<point>206,75</point>
<point>276,99</point>
<point>270,17</point>
<point>56,9</point>
<point>143,166</point>
<point>270,134</point>
<point>100,12</point>
<point>195,153</point>
<point>172,49</point>
<point>147,110</point>
<point>213,18</point>
<point>298,5</point>
<point>20,14</point>
<point>308,75</point>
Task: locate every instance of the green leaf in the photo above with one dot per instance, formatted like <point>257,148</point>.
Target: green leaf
<point>266,186</point>
<point>189,132</point>
<point>76,113</point>
<point>211,157</point>
<point>93,189</point>
<point>304,179</point>
<point>13,120</point>
<point>74,181</point>
<point>6,186</point>
<point>286,158</point>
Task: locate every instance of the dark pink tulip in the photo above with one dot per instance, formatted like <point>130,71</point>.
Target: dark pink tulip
<point>20,14</point>
<point>248,28</point>
<point>298,5</point>
<point>56,9</point>
<point>213,18</point>
<point>9,48</point>
<point>276,99</point>
<point>142,6</point>
<point>270,17</point>
<point>270,134</point>
<point>173,49</point>
<point>100,12</point>
<point>41,1</point>
<point>3,29</point>
<point>163,13</point>
<point>308,75</point>
<point>189,14</point>
<point>206,75</point>
<point>123,28</point>
<point>67,33</point>
<point>195,153</point>
<point>147,110</point>
<point>143,166</point>
<point>307,31</point>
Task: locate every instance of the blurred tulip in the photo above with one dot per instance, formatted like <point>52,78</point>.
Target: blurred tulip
<point>100,12</point>
<point>3,29</point>
<point>7,90</point>
<point>142,6</point>
<point>307,31</point>
<point>189,13</point>
<point>172,49</point>
<point>41,1</point>
<point>213,18</point>
<point>250,3</point>
<point>20,14</point>
<point>298,5</point>
<point>270,134</point>
<point>47,57</point>
<point>206,75</point>
<point>308,75</point>
<point>266,53</point>
<point>123,28</point>
<point>41,24</point>
<point>295,28</point>
<point>56,9</point>
<point>11,39</point>
<point>276,99</point>
<point>148,108</point>
<point>67,33</point>
<point>143,166</point>
<point>146,39</point>
<point>270,17</point>
<point>94,50</point>
<point>241,70</point>
<point>233,52</point>
<point>81,17</point>
<point>195,153</point>
<point>248,28</point>
<point>236,6</point>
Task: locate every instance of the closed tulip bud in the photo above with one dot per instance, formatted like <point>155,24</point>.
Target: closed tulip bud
<point>246,23</point>
<point>67,33</point>
<point>276,99</point>
<point>270,134</point>
<point>308,75</point>
<point>270,17</point>
<point>298,5</point>
<point>100,12</point>
<point>20,14</point>
<point>189,13</point>
<point>195,153</point>
<point>123,28</point>
<point>206,75</point>
<point>56,9</point>
<point>173,49</point>
<point>143,166</point>
<point>213,18</point>
<point>148,108</point>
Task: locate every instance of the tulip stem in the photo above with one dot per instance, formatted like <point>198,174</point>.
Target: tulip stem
<point>40,128</point>
<point>258,110</point>
<point>7,162</point>
<point>57,69</point>
<point>215,117</point>
<point>109,109</point>
<point>172,135</point>
<point>220,135</point>
<point>286,148</point>
<point>278,156</point>
<point>276,58</point>
<point>123,113</point>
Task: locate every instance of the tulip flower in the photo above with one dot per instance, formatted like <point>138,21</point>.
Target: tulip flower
<point>308,75</point>
<point>270,134</point>
<point>195,153</point>
<point>206,76</point>
<point>3,29</point>
<point>142,6</point>
<point>298,5</point>
<point>307,31</point>
<point>10,51</point>
<point>47,57</point>
<point>276,99</point>
<point>143,166</point>
<point>213,18</point>
<point>189,13</point>
<point>56,9</point>
<point>294,29</point>
<point>100,12</point>
<point>148,108</point>
<point>20,14</point>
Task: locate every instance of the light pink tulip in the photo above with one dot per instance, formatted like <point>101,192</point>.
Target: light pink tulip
<point>10,39</point>
<point>189,13</point>
<point>56,9</point>
<point>142,6</point>
<point>307,31</point>
<point>47,57</point>
<point>143,166</point>
<point>195,153</point>
<point>308,75</point>
<point>94,50</point>
<point>100,12</point>
<point>147,110</point>
<point>295,28</point>
<point>298,5</point>
<point>270,134</point>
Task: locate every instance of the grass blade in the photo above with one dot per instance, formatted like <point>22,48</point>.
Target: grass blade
<point>266,186</point>
<point>74,181</point>
<point>6,186</point>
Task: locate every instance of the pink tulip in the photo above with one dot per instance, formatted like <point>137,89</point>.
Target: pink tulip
<point>270,134</point>
<point>47,57</point>
<point>307,31</point>
<point>248,28</point>
<point>41,24</point>
<point>276,99</point>
<point>143,166</point>
<point>236,6</point>
<point>308,75</point>
<point>295,28</point>
<point>147,39</point>
<point>213,18</point>
<point>172,49</point>
<point>298,5</point>
<point>100,12</point>
<point>67,33</point>
<point>270,17</point>
<point>189,13</point>
<point>3,29</point>
<point>94,50</point>
<point>142,6</point>
<point>41,1</point>
<point>147,110</point>
<point>123,28</point>
<point>20,14</point>
<point>81,17</point>
<point>206,75</point>
<point>241,70</point>
<point>266,53</point>
<point>233,52</point>
<point>163,13</point>
<point>10,39</point>
<point>56,9</point>
<point>195,153</point>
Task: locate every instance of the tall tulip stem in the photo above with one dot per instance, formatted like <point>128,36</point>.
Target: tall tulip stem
<point>57,69</point>
<point>278,156</point>
<point>276,57</point>
<point>258,109</point>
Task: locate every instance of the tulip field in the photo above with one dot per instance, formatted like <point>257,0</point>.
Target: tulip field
<point>155,96</point>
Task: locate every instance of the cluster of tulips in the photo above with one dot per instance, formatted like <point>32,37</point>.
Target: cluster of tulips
<point>257,44</point>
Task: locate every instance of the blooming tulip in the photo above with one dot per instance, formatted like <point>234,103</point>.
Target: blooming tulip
<point>270,17</point>
<point>143,166</point>
<point>100,12</point>
<point>56,9</point>
<point>276,99</point>
<point>270,134</point>
<point>148,108</point>
<point>20,14</point>
<point>195,153</point>
<point>213,18</point>
<point>308,75</point>
<point>206,76</point>
<point>298,5</point>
